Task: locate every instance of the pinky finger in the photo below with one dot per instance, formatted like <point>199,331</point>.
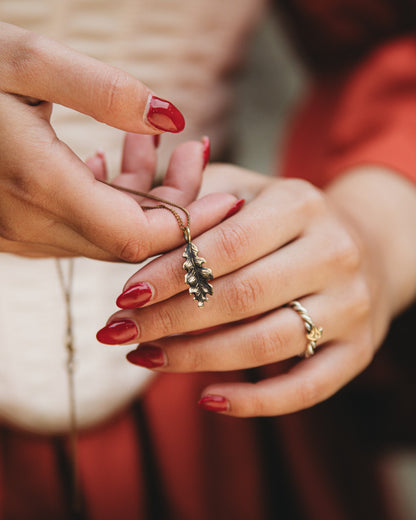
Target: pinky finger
<point>309,382</point>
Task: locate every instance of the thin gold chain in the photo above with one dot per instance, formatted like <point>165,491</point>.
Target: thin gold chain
<point>70,370</point>
<point>165,205</point>
<point>66,288</point>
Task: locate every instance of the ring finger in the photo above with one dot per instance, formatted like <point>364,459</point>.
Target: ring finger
<point>275,336</point>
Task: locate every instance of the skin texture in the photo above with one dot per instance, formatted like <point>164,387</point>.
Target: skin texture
<point>337,251</point>
<point>347,253</point>
<point>51,203</point>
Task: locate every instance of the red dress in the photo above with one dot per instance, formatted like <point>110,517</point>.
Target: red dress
<point>163,458</point>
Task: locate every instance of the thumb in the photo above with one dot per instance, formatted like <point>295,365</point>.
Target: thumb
<point>38,67</point>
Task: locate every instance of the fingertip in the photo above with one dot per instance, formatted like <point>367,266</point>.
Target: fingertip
<point>184,170</point>
<point>138,164</point>
<point>235,399</point>
<point>235,208</point>
<point>214,204</point>
<point>214,403</point>
<point>135,296</point>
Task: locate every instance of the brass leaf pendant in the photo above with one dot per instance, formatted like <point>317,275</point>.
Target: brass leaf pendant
<point>197,276</point>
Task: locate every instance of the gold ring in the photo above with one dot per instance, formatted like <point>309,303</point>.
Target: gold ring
<point>313,333</point>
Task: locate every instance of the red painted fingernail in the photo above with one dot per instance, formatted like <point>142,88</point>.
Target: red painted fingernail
<point>135,296</point>
<point>214,403</point>
<point>148,356</point>
<point>162,115</point>
<point>237,206</point>
<point>156,140</point>
<point>206,150</point>
<point>117,332</point>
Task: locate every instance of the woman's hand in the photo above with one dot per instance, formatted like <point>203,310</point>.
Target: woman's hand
<point>290,242</point>
<point>50,202</point>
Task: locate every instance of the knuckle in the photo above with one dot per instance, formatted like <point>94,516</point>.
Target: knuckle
<point>254,405</point>
<point>232,241</point>
<point>310,392</point>
<point>191,360</point>
<point>29,181</point>
<point>27,187</point>
<point>131,250</point>
<point>362,300</point>
<point>364,353</point>
<point>310,199</point>
<point>165,321</point>
<point>21,54</point>
<point>260,350</point>
<point>114,88</point>
<point>10,232</point>
<point>341,254</point>
<point>24,59</point>
<point>257,407</point>
<point>280,339</point>
<point>266,347</point>
<point>242,296</point>
<point>348,253</point>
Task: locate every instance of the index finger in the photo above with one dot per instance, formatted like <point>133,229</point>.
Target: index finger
<point>38,67</point>
<point>114,221</point>
<point>231,245</point>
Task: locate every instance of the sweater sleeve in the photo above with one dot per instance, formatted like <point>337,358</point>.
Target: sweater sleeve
<point>361,110</point>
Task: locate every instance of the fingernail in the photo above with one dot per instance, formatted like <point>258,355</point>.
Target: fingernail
<point>206,150</point>
<point>117,332</point>
<point>214,403</point>
<point>135,296</point>
<point>237,206</point>
<point>156,140</point>
<point>161,114</point>
<point>148,356</point>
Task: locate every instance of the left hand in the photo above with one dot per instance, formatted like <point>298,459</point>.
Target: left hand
<point>290,242</point>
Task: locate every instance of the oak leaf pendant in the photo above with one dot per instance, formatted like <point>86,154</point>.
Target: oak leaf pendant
<point>197,276</point>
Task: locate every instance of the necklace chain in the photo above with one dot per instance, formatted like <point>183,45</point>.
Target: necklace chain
<point>66,288</point>
<point>166,204</point>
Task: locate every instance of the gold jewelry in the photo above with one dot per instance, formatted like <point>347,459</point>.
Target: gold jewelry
<point>66,287</point>
<point>197,277</point>
<point>313,333</point>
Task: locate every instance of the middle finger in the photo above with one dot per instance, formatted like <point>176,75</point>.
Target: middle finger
<point>253,233</point>
<point>254,289</point>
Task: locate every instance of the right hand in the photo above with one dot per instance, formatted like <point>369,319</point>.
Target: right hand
<point>50,202</point>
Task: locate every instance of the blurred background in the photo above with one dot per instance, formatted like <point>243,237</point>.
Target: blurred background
<point>267,89</point>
